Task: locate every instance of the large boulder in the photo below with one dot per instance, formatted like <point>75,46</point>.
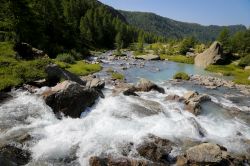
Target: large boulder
<point>148,57</point>
<point>70,98</point>
<point>95,83</point>
<point>206,153</point>
<point>213,55</point>
<point>55,74</point>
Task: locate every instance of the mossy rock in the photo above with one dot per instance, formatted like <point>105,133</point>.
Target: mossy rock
<point>181,76</point>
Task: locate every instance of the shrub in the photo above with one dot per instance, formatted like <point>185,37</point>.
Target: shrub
<point>66,57</point>
<point>182,76</point>
<point>81,68</point>
<point>117,76</point>
<point>245,61</point>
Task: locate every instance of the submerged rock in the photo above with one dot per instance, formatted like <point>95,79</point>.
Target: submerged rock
<point>13,156</point>
<point>213,55</point>
<point>55,74</point>
<point>71,98</point>
<point>174,98</point>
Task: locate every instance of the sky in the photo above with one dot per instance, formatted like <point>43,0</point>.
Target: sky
<point>205,12</point>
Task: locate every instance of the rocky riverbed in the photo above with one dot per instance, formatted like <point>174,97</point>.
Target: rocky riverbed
<point>151,121</point>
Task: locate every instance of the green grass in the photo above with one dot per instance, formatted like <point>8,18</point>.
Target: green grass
<point>81,68</point>
<point>117,76</point>
<point>178,58</point>
<point>6,49</point>
<point>240,75</point>
<point>181,75</point>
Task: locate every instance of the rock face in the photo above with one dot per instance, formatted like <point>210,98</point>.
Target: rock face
<point>205,153</point>
<point>26,51</point>
<point>193,101</point>
<point>71,98</point>
<point>55,74</point>
<point>148,57</point>
<point>213,55</point>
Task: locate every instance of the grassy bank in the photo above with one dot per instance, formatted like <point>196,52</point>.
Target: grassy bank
<point>14,72</point>
<point>240,75</point>
<point>178,58</point>
<point>80,67</point>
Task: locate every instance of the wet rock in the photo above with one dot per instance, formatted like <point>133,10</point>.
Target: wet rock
<point>125,88</point>
<point>13,156</point>
<point>202,132</point>
<point>193,101</point>
<point>174,98</point>
<point>213,55</point>
<point>156,149</point>
<point>146,86</point>
<point>71,98</point>
<point>55,74</point>
<point>205,153</point>
<point>121,161</point>
<point>4,96</point>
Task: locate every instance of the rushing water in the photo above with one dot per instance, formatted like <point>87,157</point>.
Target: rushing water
<point>116,121</point>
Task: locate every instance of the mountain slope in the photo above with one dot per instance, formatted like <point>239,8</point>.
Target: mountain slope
<point>175,29</point>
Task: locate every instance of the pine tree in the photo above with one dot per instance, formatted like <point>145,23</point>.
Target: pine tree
<point>140,42</point>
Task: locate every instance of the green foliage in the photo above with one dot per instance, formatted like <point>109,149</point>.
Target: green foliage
<point>169,28</point>
<point>81,68</point>
<point>66,57</point>
<point>178,58</point>
<point>6,49</point>
<point>140,45</point>
<point>181,75</point>
<point>224,39</point>
<point>245,61</point>
<point>186,44</point>
<point>117,76</point>
<point>240,75</point>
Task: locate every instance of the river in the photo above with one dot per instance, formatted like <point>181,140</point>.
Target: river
<point>116,121</point>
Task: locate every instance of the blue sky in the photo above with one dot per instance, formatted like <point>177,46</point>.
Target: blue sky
<point>205,12</point>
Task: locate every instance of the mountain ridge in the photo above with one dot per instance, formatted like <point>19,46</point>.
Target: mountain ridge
<point>171,28</point>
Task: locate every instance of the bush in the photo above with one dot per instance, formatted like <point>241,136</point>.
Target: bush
<point>182,76</point>
<point>117,76</point>
<point>66,57</point>
<point>245,61</point>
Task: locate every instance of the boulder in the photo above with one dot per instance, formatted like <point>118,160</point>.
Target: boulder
<point>96,83</point>
<point>148,57</point>
<point>156,149</point>
<point>146,86</point>
<point>213,55</point>
<point>55,74</point>
<point>13,156</point>
<point>70,98</point>
<point>26,51</point>
<point>247,67</point>
<point>193,101</point>
<point>206,153</point>
<point>174,98</point>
